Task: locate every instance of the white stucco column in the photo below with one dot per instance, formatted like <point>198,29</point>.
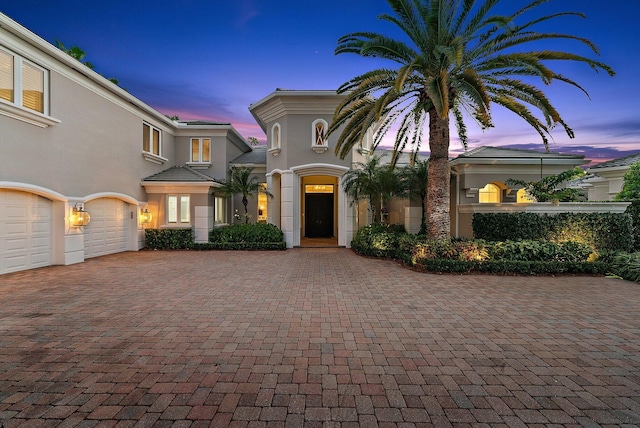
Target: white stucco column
<point>287,195</point>
<point>204,218</point>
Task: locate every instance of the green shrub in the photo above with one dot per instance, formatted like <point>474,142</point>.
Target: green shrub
<point>627,266</point>
<point>201,246</point>
<point>168,239</point>
<point>519,267</point>
<point>600,231</point>
<point>379,240</point>
<point>247,233</point>
<point>461,255</point>
<point>528,250</point>
<point>634,211</point>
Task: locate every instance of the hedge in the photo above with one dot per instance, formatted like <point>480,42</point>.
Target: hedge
<point>526,257</point>
<point>168,239</point>
<point>634,211</point>
<point>601,231</point>
<point>242,233</point>
<point>258,236</point>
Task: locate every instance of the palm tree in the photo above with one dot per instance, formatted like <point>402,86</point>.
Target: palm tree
<point>457,58</point>
<point>241,182</point>
<point>74,52</point>
<point>375,182</point>
<point>416,177</point>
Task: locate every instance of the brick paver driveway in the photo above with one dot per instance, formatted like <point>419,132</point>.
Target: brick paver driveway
<point>312,337</point>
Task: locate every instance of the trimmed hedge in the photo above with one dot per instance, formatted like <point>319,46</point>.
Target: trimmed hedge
<point>245,233</point>
<point>601,231</point>
<point>634,211</point>
<point>168,239</point>
<point>257,236</point>
<point>527,257</point>
<point>202,246</point>
<point>519,267</point>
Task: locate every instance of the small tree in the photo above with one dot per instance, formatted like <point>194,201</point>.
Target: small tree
<point>241,182</point>
<point>550,189</point>
<point>631,187</point>
<point>375,182</point>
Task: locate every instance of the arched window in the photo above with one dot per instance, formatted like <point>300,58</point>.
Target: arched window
<point>523,197</point>
<point>276,138</point>
<point>319,135</point>
<point>490,194</point>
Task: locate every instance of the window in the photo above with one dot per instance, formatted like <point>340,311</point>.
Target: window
<point>276,140</point>
<point>522,196</point>
<point>178,209</point>
<point>23,83</point>
<point>220,210</point>
<point>490,194</point>
<point>201,150</point>
<point>152,143</point>
<point>319,135</point>
<point>262,204</point>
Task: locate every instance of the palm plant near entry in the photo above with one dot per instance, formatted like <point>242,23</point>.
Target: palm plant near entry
<point>457,57</point>
<point>416,178</point>
<point>376,183</point>
<point>240,181</point>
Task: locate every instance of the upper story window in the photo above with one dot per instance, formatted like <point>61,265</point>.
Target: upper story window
<point>24,90</point>
<point>319,135</point>
<point>201,150</point>
<point>276,139</point>
<point>152,143</point>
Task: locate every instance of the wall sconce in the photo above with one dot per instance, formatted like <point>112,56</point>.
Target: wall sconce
<point>79,217</point>
<point>145,216</point>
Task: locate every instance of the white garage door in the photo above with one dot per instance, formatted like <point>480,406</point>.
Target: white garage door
<point>25,231</point>
<point>108,230</point>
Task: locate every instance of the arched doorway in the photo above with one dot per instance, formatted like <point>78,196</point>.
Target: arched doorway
<point>319,208</point>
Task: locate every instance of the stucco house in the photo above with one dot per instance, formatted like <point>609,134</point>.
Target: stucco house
<point>607,178</point>
<point>72,142</point>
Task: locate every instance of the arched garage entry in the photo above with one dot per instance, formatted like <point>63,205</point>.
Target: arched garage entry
<point>113,225</point>
<point>26,231</point>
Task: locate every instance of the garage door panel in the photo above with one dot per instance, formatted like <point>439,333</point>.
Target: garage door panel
<point>107,232</point>
<point>25,231</point>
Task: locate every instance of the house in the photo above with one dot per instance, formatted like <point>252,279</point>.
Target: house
<point>607,178</point>
<point>74,145</point>
<point>73,142</point>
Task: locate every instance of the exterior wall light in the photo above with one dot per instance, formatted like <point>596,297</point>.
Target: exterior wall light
<point>79,217</point>
<point>145,216</point>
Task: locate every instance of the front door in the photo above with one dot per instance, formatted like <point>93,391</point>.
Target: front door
<point>318,215</point>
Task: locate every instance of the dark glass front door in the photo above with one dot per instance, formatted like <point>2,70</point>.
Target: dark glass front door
<point>318,215</point>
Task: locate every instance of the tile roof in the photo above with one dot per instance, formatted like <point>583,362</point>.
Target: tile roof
<point>257,155</point>
<point>180,174</point>
<point>505,152</point>
<point>623,161</point>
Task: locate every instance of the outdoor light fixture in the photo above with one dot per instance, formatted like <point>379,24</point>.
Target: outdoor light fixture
<point>145,216</point>
<point>79,217</point>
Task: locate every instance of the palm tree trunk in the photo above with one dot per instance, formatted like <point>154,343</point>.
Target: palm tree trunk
<point>438,188</point>
<point>245,202</point>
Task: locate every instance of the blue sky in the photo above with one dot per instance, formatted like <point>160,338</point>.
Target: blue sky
<point>211,59</point>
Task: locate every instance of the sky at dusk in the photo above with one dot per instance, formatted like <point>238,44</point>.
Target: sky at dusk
<point>211,59</point>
